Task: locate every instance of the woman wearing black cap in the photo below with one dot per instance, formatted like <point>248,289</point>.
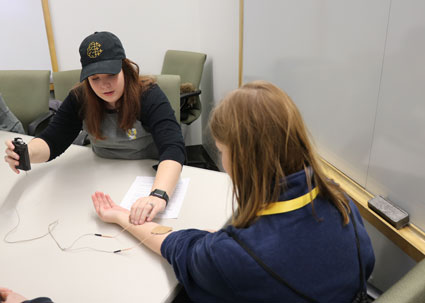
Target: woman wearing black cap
<point>126,117</point>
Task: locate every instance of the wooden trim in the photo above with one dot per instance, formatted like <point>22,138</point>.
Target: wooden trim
<point>49,32</point>
<point>410,238</point>
<point>241,16</point>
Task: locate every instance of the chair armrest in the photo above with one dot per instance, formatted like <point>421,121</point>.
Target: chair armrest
<point>54,104</point>
<point>32,127</point>
<point>191,94</point>
<point>409,289</point>
<point>82,139</point>
<point>184,97</point>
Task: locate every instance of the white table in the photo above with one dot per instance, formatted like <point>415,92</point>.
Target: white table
<point>61,190</point>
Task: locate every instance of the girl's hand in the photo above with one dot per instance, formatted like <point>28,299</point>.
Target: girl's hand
<point>106,209</point>
<point>11,157</point>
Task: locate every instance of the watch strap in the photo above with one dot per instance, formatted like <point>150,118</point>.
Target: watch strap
<point>160,194</point>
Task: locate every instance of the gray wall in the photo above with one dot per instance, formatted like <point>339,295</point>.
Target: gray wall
<point>356,70</point>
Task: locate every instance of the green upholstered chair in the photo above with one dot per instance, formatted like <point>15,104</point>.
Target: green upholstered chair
<point>189,66</point>
<point>64,81</point>
<point>170,85</point>
<point>26,93</point>
<point>409,289</point>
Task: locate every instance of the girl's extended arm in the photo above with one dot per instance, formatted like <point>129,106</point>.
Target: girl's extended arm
<point>110,212</point>
<point>146,208</point>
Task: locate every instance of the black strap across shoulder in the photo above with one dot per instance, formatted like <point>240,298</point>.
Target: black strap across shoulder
<point>361,296</point>
<point>268,269</point>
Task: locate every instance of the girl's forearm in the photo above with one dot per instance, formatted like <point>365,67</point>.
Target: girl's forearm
<point>144,233</point>
<point>167,176</point>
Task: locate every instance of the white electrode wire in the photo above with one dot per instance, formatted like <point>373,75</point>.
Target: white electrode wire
<point>50,229</point>
<point>5,239</point>
<point>70,248</point>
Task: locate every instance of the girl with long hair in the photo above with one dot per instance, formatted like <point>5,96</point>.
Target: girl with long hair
<point>295,235</point>
<point>125,115</point>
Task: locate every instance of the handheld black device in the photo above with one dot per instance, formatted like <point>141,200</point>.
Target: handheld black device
<point>22,150</point>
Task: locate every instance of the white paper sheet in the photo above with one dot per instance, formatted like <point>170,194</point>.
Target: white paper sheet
<point>141,187</point>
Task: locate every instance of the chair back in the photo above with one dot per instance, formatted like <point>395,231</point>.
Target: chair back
<point>189,65</point>
<point>26,93</point>
<point>409,289</point>
<point>64,81</point>
<point>170,85</point>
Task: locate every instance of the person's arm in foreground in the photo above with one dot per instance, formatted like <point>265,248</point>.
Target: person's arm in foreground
<point>38,151</point>
<point>146,208</point>
<point>9,296</point>
<point>110,212</point>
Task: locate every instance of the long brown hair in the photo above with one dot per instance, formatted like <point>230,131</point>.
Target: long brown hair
<point>128,106</point>
<point>267,140</point>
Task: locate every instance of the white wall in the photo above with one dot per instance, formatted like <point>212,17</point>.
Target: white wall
<point>219,40</point>
<point>328,62</point>
<point>355,69</point>
<point>146,28</point>
<point>23,36</point>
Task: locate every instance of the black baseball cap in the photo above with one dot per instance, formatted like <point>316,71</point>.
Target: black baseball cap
<point>101,53</point>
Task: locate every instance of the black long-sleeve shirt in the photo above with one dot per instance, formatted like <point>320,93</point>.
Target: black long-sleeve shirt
<point>156,116</point>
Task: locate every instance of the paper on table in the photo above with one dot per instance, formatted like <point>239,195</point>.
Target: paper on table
<point>141,187</point>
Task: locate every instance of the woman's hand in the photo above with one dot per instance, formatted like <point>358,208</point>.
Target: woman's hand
<point>145,209</point>
<point>106,209</point>
<point>11,157</point>
<point>9,296</point>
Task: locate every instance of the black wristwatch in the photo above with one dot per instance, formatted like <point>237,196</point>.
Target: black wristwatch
<point>160,194</point>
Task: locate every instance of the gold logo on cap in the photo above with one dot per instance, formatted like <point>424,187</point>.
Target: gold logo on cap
<point>94,50</point>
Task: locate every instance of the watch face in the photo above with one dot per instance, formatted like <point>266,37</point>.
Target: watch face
<point>159,192</point>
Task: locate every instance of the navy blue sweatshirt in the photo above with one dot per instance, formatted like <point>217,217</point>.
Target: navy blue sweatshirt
<point>317,257</point>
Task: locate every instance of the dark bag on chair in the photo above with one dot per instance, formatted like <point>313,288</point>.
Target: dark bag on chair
<point>361,297</point>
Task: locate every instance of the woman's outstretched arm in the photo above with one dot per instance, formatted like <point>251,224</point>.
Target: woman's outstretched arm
<point>148,233</point>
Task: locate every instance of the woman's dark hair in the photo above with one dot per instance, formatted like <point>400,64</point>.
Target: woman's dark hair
<point>128,106</point>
